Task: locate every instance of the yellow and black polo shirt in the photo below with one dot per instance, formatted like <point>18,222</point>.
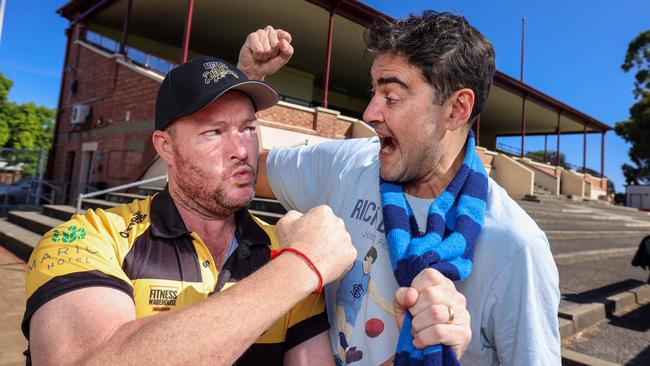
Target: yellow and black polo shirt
<point>144,249</point>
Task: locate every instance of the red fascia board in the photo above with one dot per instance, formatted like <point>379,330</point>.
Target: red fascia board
<point>77,10</point>
<point>353,10</point>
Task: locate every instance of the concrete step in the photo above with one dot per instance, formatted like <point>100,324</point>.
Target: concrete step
<point>268,217</point>
<point>18,240</point>
<point>97,203</point>
<point>578,245</point>
<point>33,221</point>
<point>543,197</point>
<point>595,306</point>
<point>533,208</point>
<point>591,234</point>
<point>148,190</point>
<point>60,212</point>
<point>593,255</point>
<point>594,218</point>
<point>120,197</point>
<point>598,276</point>
<point>579,225</point>
<point>582,212</point>
<point>267,205</point>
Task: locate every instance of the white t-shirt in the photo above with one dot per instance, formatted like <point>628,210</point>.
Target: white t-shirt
<point>512,293</point>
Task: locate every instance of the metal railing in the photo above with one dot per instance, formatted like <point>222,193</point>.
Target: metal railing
<point>508,150</point>
<point>84,196</point>
<point>40,195</point>
<point>139,57</point>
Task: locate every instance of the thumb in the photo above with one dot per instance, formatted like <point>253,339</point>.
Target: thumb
<point>405,297</point>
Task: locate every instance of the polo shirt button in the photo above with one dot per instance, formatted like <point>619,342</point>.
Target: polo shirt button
<point>206,263</point>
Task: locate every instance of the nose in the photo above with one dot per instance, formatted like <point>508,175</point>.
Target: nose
<point>373,115</point>
<point>236,147</point>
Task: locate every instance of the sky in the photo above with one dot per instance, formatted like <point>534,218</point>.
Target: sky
<point>574,50</point>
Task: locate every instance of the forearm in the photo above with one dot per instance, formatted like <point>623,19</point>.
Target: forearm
<point>262,184</point>
<point>216,331</point>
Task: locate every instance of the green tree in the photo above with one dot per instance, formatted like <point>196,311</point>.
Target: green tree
<point>550,157</point>
<point>5,85</point>
<point>24,127</point>
<point>636,130</point>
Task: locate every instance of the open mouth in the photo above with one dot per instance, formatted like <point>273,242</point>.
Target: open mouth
<point>388,145</point>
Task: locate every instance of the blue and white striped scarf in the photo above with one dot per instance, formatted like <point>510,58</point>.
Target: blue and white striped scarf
<point>454,221</point>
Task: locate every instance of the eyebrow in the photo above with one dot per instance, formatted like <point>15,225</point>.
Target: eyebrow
<point>392,80</point>
<point>219,123</point>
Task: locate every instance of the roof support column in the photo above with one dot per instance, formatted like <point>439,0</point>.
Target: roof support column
<point>523,125</point>
<point>545,147</point>
<point>557,150</point>
<point>584,151</point>
<point>330,32</point>
<point>125,27</point>
<point>602,153</point>
<point>188,30</point>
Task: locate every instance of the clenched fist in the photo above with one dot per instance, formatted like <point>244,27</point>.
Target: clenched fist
<point>264,52</point>
<point>322,237</point>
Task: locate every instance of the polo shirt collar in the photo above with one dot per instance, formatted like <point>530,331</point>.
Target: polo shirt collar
<point>166,222</point>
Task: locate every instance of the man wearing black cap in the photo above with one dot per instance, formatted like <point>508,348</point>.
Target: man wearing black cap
<point>130,285</point>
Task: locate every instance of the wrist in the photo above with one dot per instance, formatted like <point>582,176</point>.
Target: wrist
<point>250,75</point>
<point>308,264</point>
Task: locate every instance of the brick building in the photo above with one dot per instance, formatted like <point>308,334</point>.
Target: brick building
<point>118,52</point>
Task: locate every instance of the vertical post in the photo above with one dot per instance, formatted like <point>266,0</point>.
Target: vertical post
<point>478,130</point>
<point>602,154</point>
<point>523,125</point>
<point>557,150</point>
<point>326,87</point>
<point>125,27</point>
<point>584,151</point>
<point>523,32</point>
<point>42,158</point>
<point>188,30</point>
<point>2,16</point>
<point>545,147</point>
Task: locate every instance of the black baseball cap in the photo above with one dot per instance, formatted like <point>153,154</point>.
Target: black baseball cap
<point>190,87</point>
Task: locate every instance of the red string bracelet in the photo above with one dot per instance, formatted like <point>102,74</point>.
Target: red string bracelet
<point>277,252</point>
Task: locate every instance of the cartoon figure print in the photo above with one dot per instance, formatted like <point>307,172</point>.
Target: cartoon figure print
<point>352,289</point>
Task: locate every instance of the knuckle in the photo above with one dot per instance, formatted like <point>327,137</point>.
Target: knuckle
<point>435,312</point>
<point>438,331</point>
<point>428,294</point>
<point>429,274</point>
<point>462,300</point>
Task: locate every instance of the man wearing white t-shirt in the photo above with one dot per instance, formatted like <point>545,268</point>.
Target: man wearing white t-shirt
<point>430,77</point>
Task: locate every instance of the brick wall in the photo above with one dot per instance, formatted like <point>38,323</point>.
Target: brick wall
<point>317,122</point>
<point>114,93</point>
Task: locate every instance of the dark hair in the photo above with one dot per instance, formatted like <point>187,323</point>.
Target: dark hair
<point>450,52</point>
<point>372,253</point>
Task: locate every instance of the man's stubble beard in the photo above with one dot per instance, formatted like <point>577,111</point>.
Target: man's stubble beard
<point>195,194</point>
<point>418,165</point>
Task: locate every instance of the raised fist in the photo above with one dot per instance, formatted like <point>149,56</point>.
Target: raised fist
<point>322,237</point>
<point>264,52</point>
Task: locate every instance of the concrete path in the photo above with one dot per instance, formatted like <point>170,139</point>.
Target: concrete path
<point>12,306</point>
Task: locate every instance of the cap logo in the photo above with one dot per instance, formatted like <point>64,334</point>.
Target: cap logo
<point>216,71</point>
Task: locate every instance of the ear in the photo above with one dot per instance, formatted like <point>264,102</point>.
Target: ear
<point>162,141</point>
<point>460,104</point>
